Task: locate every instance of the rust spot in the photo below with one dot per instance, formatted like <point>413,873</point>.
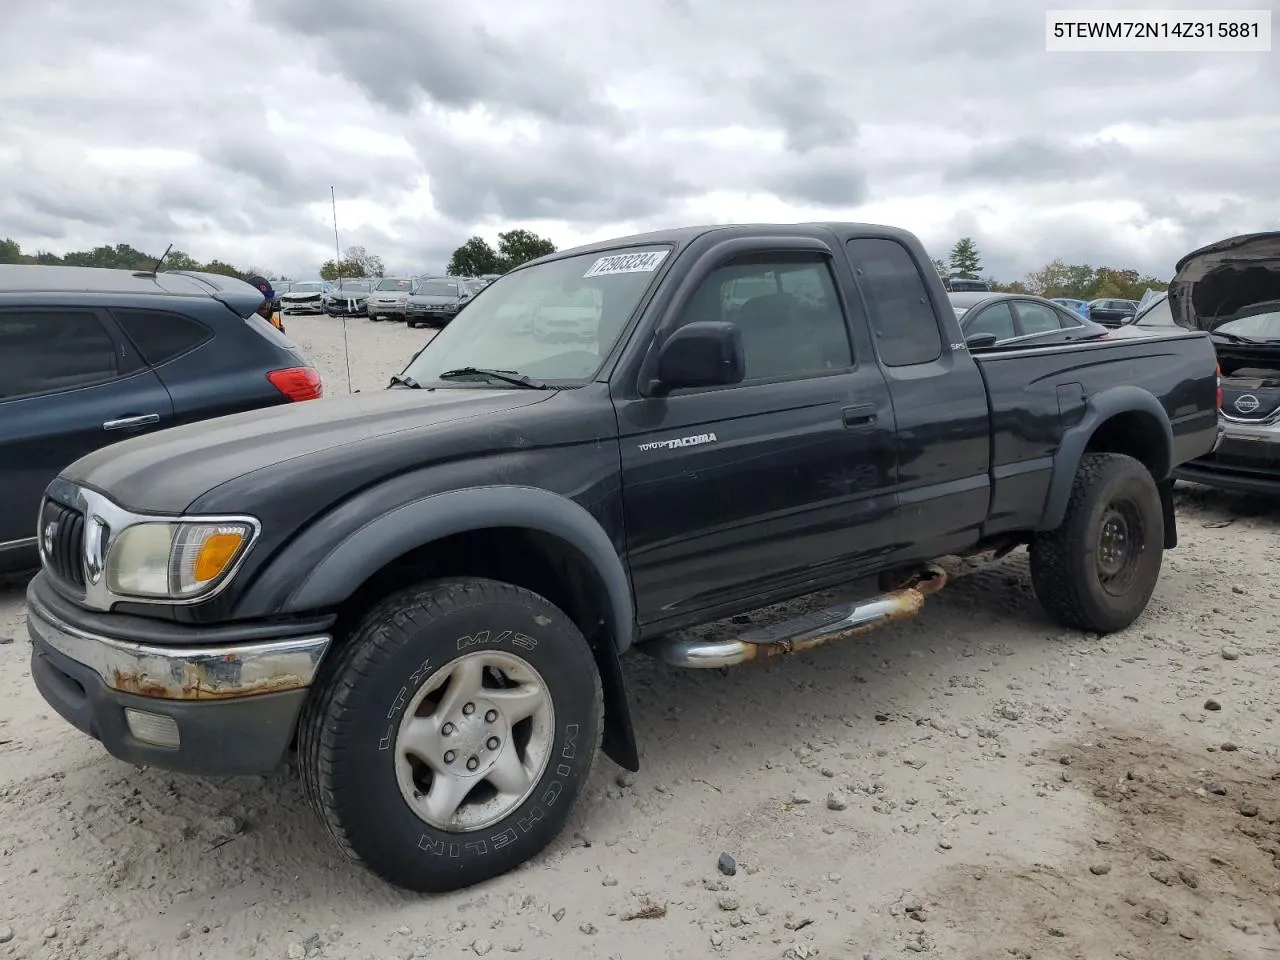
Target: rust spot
<point>901,604</point>
<point>196,686</point>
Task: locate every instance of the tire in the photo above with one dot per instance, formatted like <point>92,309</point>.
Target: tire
<point>1075,582</point>
<point>412,324</point>
<point>355,739</point>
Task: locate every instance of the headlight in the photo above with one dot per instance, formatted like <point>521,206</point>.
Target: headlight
<point>175,561</point>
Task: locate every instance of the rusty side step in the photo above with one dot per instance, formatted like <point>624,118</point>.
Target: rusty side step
<point>804,632</point>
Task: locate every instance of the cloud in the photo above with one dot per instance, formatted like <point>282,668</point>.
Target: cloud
<point>221,127</point>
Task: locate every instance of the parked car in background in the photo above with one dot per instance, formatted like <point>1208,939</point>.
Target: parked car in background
<point>348,298</point>
<point>389,298</point>
<point>961,285</point>
<point>1232,289</point>
<point>437,301</point>
<point>1075,306</point>
<point>1017,318</point>
<point>90,356</point>
<point>567,316</point>
<point>305,296</point>
<point>1112,313</point>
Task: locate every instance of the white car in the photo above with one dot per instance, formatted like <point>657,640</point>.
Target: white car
<point>573,316</point>
<point>306,296</point>
<point>390,298</point>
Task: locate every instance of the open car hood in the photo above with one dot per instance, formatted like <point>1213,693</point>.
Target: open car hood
<point>1220,282</point>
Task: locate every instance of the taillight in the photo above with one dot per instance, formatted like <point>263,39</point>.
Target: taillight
<point>297,383</point>
<point>1218,373</point>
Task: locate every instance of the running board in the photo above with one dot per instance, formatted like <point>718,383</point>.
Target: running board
<point>805,632</point>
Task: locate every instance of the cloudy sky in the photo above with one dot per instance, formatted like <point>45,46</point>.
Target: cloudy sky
<point>221,124</point>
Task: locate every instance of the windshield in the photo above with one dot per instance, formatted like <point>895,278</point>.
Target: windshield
<point>436,288</point>
<point>1158,314</point>
<point>497,331</point>
<point>353,286</point>
<point>307,287</point>
<point>1260,326</point>
<point>396,285</point>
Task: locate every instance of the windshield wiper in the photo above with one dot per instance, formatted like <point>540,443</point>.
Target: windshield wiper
<point>1236,338</point>
<point>403,381</point>
<point>506,376</point>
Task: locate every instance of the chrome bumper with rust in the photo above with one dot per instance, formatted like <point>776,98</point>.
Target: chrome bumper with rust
<point>184,673</point>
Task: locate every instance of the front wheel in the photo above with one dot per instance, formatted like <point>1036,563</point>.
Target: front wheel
<point>446,742</point>
<point>1097,571</point>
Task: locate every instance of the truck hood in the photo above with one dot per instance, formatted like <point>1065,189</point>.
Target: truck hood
<point>167,471</point>
<point>1221,281</point>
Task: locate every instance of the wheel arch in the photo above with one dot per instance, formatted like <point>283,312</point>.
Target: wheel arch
<point>526,536</point>
<point>1122,419</point>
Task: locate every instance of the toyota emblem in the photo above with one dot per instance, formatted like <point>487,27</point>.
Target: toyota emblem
<point>1247,403</point>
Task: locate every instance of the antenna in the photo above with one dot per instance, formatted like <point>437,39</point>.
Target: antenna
<point>156,268</point>
<point>337,262</point>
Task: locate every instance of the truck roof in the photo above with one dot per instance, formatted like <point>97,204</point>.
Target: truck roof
<point>682,236</point>
<point>38,278</point>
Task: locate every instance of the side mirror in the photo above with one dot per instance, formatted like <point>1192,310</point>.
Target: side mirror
<point>706,353</point>
<point>980,341</point>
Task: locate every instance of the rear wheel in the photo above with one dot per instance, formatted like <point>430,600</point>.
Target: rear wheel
<point>446,742</point>
<point>1097,571</point>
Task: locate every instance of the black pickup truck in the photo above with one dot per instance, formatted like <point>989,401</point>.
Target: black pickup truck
<point>425,591</point>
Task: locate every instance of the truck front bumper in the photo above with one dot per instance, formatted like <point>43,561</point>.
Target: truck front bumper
<point>224,710</point>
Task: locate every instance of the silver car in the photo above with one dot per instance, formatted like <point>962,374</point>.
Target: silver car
<point>389,298</point>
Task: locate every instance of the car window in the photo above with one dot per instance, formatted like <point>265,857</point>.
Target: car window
<point>997,319</point>
<point>1037,318</point>
<point>788,312</point>
<point>1260,326</point>
<point>161,336</point>
<point>45,351</point>
<point>395,285</point>
<point>1157,315</point>
<point>436,288</point>
<point>899,310</point>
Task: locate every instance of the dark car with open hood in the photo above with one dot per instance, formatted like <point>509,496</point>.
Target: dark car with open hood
<point>1232,289</point>
<point>425,592</point>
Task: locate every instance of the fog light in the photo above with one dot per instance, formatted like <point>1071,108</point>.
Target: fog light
<point>152,728</point>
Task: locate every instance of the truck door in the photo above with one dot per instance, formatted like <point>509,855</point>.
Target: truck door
<point>939,403</point>
<point>735,494</point>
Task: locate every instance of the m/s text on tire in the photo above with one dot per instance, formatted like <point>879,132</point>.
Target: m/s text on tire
<point>447,741</point>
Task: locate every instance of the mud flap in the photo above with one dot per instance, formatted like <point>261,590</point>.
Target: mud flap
<point>1170,517</point>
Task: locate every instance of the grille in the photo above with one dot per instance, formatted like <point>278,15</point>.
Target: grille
<point>62,551</point>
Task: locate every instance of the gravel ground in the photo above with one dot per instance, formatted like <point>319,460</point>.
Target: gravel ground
<point>973,784</point>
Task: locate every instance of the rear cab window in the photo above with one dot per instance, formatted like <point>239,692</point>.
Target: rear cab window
<point>899,311</point>
<point>52,350</point>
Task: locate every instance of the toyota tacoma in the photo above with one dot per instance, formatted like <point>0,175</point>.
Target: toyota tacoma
<point>424,593</point>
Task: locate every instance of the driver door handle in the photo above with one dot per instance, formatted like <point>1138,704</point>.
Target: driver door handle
<point>863,415</point>
<point>128,423</point>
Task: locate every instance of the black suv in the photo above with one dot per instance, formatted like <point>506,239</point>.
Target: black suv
<point>90,356</point>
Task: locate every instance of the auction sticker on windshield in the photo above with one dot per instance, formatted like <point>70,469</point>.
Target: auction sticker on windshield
<point>627,263</point>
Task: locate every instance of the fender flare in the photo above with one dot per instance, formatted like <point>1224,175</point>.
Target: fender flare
<point>1098,410</point>
<point>360,554</point>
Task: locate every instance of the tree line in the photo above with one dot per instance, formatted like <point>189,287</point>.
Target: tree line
<point>122,256</point>
<point>1079,281</point>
